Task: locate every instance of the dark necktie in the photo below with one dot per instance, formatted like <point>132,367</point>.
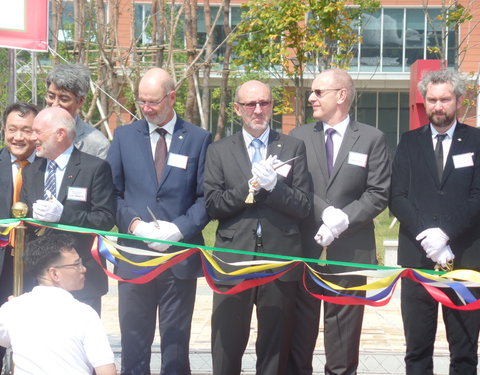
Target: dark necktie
<point>160,153</point>
<point>329,149</point>
<point>50,183</point>
<point>439,154</point>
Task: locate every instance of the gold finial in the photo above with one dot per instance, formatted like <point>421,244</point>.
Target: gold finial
<point>19,210</point>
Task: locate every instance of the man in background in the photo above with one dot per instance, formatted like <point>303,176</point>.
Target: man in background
<point>67,87</point>
<point>349,166</point>
<point>158,164</point>
<point>18,152</point>
<point>68,186</point>
<point>49,331</point>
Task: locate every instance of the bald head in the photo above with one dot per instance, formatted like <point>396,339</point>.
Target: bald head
<point>53,132</point>
<point>156,96</point>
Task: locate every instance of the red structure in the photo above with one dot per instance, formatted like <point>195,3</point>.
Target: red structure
<point>417,107</point>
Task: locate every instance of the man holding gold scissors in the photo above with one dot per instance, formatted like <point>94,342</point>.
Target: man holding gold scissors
<point>259,202</point>
<point>436,197</point>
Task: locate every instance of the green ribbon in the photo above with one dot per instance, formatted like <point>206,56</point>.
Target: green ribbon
<point>243,252</point>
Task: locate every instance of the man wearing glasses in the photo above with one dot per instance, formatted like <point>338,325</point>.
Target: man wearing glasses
<point>157,166</point>
<point>350,171</point>
<point>259,206</point>
<point>67,87</point>
<point>49,331</point>
<point>67,186</point>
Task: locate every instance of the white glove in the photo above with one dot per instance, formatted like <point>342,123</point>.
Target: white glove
<point>444,256</point>
<point>324,236</point>
<point>264,173</point>
<point>335,219</point>
<point>159,230</point>
<point>47,210</point>
<point>432,240</point>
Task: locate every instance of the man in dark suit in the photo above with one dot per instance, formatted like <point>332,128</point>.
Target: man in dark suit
<point>350,172</point>
<point>18,152</point>
<point>271,224</point>
<point>158,163</point>
<point>436,197</point>
<point>70,187</point>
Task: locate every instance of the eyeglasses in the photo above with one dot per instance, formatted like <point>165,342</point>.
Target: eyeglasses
<point>50,97</point>
<point>78,265</point>
<point>151,104</point>
<point>318,92</point>
<point>252,105</point>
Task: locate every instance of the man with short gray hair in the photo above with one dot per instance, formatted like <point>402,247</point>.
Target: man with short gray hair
<point>67,87</point>
<point>435,197</point>
<point>70,187</point>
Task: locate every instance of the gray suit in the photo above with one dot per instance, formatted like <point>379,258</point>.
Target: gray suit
<point>90,140</point>
<point>362,193</point>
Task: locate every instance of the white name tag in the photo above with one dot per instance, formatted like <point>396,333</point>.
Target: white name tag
<point>77,194</point>
<point>463,160</point>
<point>177,160</point>
<point>284,170</point>
<point>357,158</point>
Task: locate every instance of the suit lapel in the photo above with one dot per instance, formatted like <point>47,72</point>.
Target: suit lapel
<point>144,148</point>
<point>426,148</point>
<point>275,146</point>
<point>6,179</point>
<point>176,145</point>
<point>38,172</point>
<point>349,139</point>
<point>71,171</point>
<point>457,147</point>
<point>240,155</point>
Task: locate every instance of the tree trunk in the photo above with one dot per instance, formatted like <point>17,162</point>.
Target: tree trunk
<point>191,44</point>
<point>207,66</point>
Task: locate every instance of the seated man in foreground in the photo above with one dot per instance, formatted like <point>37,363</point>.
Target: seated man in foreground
<point>50,332</point>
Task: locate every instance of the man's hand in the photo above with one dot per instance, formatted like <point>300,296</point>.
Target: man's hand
<point>442,256</point>
<point>335,219</point>
<point>433,240</point>
<point>264,174</point>
<point>47,210</point>
<point>324,236</point>
<point>158,230</point>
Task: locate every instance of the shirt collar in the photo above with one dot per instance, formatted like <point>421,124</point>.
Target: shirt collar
<point>30,159</point>
<point>169,126</point>
<point>449,132</point>
<point>248,138</point>
<point>340,128</point>
<point>63,158</point>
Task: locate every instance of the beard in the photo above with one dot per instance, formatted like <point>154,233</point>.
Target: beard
<point>441,119</point>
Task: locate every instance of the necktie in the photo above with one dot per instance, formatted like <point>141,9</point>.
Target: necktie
<point>329,149</point>
<point>257,155</point>
<point>439,154</point>
<point>160,153</point>
<point>50,183</point>
<point>17,186</point>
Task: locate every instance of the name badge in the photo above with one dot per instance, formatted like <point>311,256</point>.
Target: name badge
<point>77,194</point>
<point>463,160</point>
<point>358,159</point>
<point>177,160</point>
<point>284,170</point>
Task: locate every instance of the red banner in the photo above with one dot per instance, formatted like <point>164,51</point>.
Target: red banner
<point>24,24</point>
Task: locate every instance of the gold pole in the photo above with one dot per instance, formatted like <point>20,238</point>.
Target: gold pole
<point>19,210</point>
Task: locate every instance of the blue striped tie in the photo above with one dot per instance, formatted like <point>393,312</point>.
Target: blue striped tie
<point>50,183</point>
<point>257,155</point>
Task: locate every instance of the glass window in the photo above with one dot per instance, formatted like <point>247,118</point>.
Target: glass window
<point>366,108</point>
<point>392,56</point>
<point>414,36</point>
<point>370,48</point>
<point>388,116</point>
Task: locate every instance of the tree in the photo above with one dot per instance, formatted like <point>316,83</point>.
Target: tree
<point>286,38</point>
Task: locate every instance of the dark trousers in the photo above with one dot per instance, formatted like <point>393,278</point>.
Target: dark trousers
<point>342,330</point>
<point>6,287</point>
<point>172,300</point>
<point>231,320</point>
<point>420,313</point>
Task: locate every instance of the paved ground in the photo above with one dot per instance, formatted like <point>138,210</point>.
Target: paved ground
<point>382,346</point>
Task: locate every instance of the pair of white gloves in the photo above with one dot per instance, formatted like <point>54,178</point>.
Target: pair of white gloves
<point>158,230</point>
<point>49,210</point>
<point>435,243</point>
<point>264,175</point>
<point>335,222</point>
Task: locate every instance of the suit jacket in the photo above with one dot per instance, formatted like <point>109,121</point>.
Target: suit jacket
<point>227,171</point>
<point>90,140</point>
<point>6,197</point>
<point>178,198</point>
<point>93,174</point>
<point>361,191</point>
<point>420,200</point>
